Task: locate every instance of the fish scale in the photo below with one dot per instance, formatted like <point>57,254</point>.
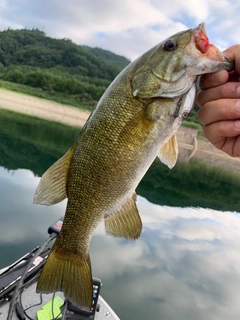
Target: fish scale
<point>134,122</point>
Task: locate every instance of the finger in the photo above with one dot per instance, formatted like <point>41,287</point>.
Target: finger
<point>232,146</point>
<point>233,53</point>
<point>227,90</point>
<point>225,136</point>
<point>215,79</point>
<point>217,131</point>
<point>220,77</point>
<point>224,109</point>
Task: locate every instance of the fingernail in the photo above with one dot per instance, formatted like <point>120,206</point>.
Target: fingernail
<point>237,106</point>
<point>237,124</point>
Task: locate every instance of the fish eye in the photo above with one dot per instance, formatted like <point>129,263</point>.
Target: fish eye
<point>170,45</point>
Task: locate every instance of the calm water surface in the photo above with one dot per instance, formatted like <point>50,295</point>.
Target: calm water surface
<point>186,264</point>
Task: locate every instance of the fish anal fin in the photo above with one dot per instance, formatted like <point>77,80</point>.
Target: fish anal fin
<point>168,152</point>
<point>52,186</point>
<point>125,223</point>
<point>69,273</point>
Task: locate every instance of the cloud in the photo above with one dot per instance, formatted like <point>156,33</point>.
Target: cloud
<point>125,27</point>
<point>20,218</point>
<point>185,265</point>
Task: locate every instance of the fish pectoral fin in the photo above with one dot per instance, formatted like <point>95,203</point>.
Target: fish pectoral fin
<point>168,152</point>
<point>125,223</point>
<point>52,186</point>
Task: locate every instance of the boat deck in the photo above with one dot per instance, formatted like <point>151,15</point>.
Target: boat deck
<point>22,277</point>
<point>30,299</point>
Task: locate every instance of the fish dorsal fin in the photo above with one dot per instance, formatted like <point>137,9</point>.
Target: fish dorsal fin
<point>52,186</point>
<point>125,223</point>
<point>168,152</point>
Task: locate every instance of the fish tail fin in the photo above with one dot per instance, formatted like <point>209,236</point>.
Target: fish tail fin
<point>70,274</point>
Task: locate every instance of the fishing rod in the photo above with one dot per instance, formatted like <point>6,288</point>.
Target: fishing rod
<point>15,300</point>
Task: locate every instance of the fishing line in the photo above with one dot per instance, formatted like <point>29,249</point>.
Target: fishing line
<point>40,302</point>
<point>34,305</point>
<point>53,305</point>
<point>17,290</point>
<point>63,312</point>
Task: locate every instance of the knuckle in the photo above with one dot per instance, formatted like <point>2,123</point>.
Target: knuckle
<point>222,91</point>
<point>221,109</point>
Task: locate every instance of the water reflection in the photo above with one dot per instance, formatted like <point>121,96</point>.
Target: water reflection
<point>186,265</point>
<point>22,224</point>
<point>35,144</point>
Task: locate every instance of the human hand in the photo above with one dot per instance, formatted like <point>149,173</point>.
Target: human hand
<point>219,102</point>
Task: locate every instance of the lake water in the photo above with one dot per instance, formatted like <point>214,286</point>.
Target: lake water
<point>186,264</point>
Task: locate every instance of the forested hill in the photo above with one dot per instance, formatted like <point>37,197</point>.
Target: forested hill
<point>56,68</point>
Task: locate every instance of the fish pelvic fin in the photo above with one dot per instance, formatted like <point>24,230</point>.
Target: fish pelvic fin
<point>125,223</point>
<point>69,273</point>
<point>168,152</point>
<point>52,186</point>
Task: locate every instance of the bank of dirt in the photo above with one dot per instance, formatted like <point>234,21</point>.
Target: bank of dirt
<point>208,153</point>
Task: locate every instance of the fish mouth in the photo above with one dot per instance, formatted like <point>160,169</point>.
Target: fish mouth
<point>200,43</point>
<point>200,37</point>
<point>231,63</point>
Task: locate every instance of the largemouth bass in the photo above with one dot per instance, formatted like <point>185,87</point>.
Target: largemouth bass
<point>134,122</point>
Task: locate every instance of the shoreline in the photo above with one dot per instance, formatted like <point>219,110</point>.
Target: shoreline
<point>72,116</point>
<point>41,108</point>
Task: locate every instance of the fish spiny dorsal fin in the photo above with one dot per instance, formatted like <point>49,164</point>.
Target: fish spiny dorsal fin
<point>168,152</point>
<point>125,223</point>
<point>52,186</point>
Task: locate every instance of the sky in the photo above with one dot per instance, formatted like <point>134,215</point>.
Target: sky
<point>126,27</point>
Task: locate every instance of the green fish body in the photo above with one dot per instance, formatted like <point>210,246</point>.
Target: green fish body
<point>134,122</point>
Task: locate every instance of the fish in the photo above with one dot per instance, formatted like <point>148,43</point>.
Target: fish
<point>134,122</point>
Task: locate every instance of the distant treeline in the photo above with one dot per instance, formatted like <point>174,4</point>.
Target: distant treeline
<point>58,69</point>
<point>29,57</point>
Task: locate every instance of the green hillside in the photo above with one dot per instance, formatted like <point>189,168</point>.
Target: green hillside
<point>56,69</point>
